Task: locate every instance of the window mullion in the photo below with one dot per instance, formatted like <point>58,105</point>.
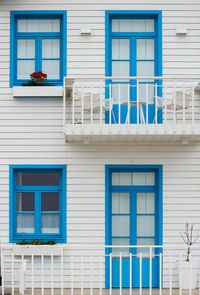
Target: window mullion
<point>37,212</point>
<point>38,54</point>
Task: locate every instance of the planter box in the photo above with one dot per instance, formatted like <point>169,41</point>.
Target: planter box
<point>37,250</point>
<point>38,91</point>
<point>188,269</point>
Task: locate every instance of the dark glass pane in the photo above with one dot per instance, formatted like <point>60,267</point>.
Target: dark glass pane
<point>25,202</point>
<point>38,178</point>
<point>50,201</point>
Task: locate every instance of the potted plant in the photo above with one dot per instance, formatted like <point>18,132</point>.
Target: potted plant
<point>188,268</point>
<point>35,87</point>
<point>37,79</point>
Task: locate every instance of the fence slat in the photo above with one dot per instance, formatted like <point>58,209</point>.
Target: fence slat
<point>13,279</point>
<point>170,275</point>
<point>150,271</point>
<point>130,283</point>
<point>100,281</point>
<point>32,274</point>
<point>180,274</point>
<point>72,274</point>
<point>62,271</point>
<point>2,271</point>
<point>160,274</point>
<point>110,262</point>
<point>140,273</point>
<point>52,275</point>
<point>42,262</point>
<point>120,273</point>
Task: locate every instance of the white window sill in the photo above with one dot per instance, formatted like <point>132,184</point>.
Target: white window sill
<point>38,91</point>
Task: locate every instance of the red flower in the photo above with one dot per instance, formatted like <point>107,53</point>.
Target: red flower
<point>40,75</point>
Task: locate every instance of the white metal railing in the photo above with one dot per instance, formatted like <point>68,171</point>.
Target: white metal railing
<point>88,269</point>
<point>96,102</point>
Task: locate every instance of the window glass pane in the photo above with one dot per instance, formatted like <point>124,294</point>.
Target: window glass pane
<point>50,223</point>
<point>145,225</point>
<point>145,49</point>
<point>25,68</point>
<point>145,203</point>
<point>143,178</point>
<point>145,68</point>
<point>142,92</point>
<point>120,48</point>
<point>120,203</point>
<point>123,93</point>
<point>38,178</point>
<point>50,48</point>
<point>145,251</point>
<point>38,25</point>
<point>121,178</point>
<point>25,223</point>
<point>120,68</point>
<point>133,25</point>
<point>149,25</point>
<point>120,226</point>
<point>120,241</point>
<point>25,202</point>
<point>25,48</point>
<point>50,201</point>
<point>51,68</point>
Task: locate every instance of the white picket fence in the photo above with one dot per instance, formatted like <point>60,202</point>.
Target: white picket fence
<point>81,270</point>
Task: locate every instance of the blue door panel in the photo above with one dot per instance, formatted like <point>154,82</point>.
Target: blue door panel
<point>135,273</point>
<point>146,273</point>
<point>116,273</point>
<point>133,115</point>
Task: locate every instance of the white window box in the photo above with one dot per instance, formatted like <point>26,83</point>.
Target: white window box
<point>36,249</point>
<point>38,91</point>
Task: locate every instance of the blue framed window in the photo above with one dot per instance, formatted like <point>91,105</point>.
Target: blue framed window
<point>38,202</point>
<point>134,48</point>
<point>38,43</point>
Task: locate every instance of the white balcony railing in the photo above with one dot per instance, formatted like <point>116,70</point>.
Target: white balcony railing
<point>98,270</point>
<point>131,106</point>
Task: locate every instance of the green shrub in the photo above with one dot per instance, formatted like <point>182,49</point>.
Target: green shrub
<point>36,242</point>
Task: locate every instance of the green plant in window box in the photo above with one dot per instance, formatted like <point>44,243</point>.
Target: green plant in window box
<point>36,242</point>
<point>37,79</point>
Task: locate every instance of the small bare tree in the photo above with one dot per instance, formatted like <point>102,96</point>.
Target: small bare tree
<point>188,238</point>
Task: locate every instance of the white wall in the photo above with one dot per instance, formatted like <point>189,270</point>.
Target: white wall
<point>31,129</point>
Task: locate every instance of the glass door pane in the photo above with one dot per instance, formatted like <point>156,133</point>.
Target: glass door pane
<point>120,68</point>
<point>145,60</point>
<point>121,221</point>
<point>145,221</point>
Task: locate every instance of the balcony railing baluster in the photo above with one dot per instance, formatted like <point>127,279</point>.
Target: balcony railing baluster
<point>98,103</point>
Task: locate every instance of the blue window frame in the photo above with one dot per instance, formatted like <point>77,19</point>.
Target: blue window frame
<point>38,202</point>
<point>134,62</point>
<point>130,194</point>
<point>38,43</point>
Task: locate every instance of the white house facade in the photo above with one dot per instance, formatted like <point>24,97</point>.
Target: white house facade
<point>107,154</point>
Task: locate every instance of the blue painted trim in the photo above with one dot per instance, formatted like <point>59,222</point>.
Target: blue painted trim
<point>158,169</point>
<point>157,35</point>
<point>157,15</point>
<point>13,236</point>
<point>62,35</point>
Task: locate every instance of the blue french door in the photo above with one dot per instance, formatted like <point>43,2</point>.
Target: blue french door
<point>134,52</point>
<point>134,221</point>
